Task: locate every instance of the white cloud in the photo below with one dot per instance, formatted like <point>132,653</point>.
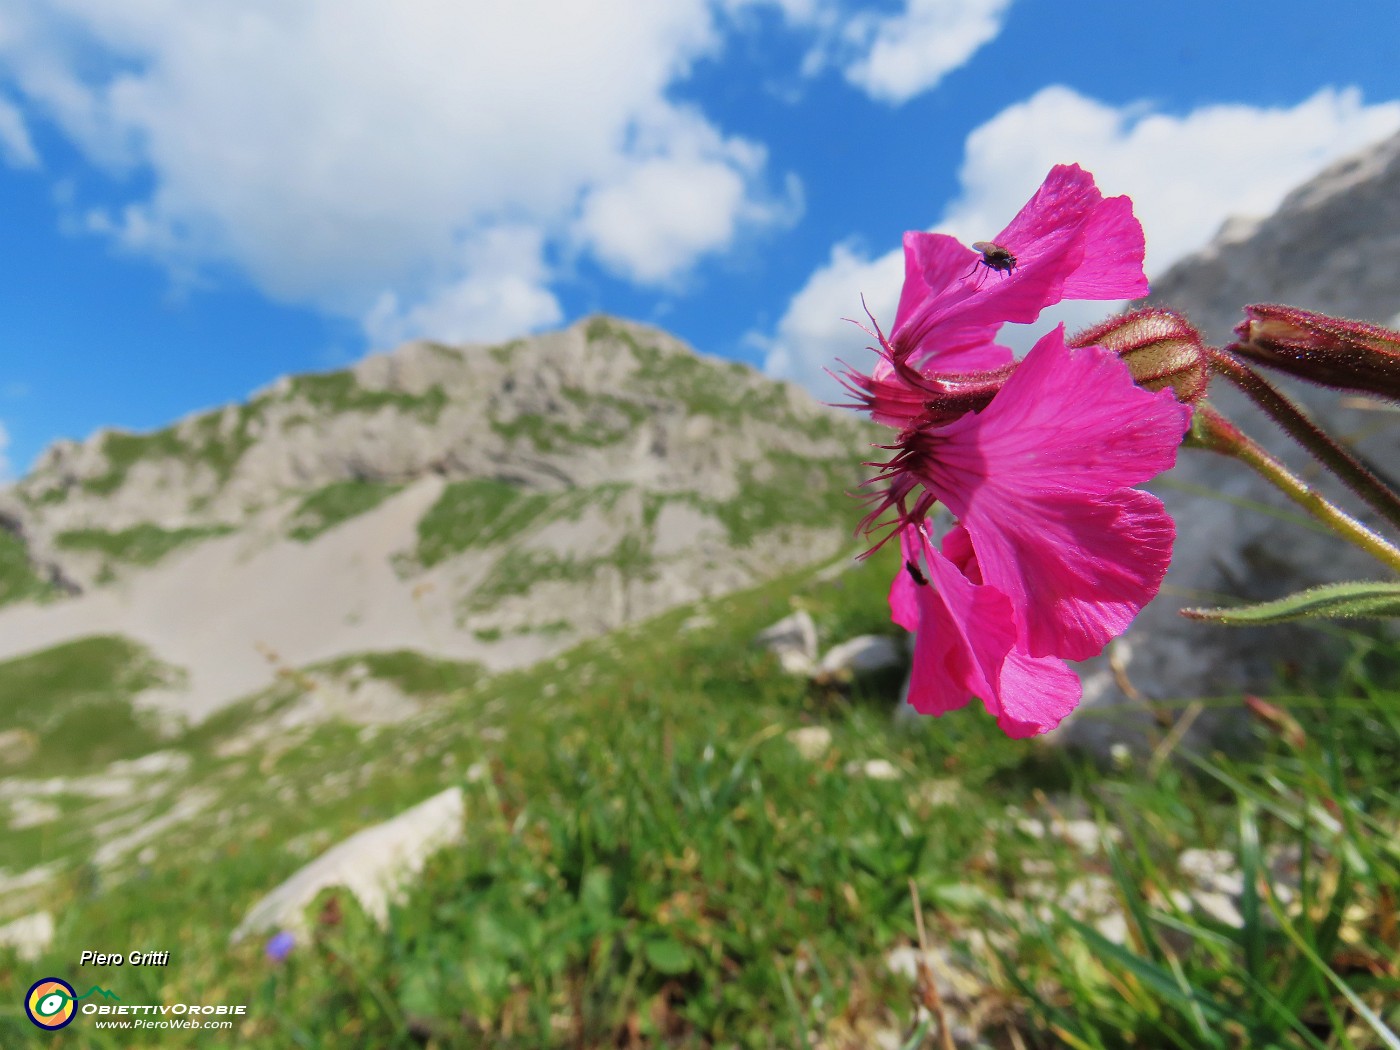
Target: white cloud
<point>6,472</point>
<point>340,153</point>
<point>895,57</point>
<point>816,329</point>
<point>683,193</point>
<point>1186,174</point>
<point>15,144</point>
<point>501,291</point>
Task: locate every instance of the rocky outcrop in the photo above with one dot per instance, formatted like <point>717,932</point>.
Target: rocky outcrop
<point>375,865</point>
<point>484,504</point>
<point>1333,246</point>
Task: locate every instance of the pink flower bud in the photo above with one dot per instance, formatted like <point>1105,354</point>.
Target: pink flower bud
<point>1330,351</point>
<point>1160,349</point>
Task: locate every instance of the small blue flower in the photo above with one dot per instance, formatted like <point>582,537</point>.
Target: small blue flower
<point>280,945</point>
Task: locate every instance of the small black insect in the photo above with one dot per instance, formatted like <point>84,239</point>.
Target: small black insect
<point>994,257</point>
<point>915,575</point>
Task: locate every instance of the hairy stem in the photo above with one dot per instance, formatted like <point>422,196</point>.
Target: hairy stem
<point>1352,472</point>
<point>1212,431</point>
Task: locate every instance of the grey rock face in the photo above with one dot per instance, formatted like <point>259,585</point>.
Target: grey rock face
<point>1334,247</point>
<point>492,504</point>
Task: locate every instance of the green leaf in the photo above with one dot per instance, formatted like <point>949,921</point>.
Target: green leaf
<point>1362,599</point>
<point>667,955</point>
<point>1163,982</point>
<point>1251,865</point>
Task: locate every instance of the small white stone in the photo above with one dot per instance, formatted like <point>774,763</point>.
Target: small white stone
<point>30,936</point>
<point>874,769</point>
<point>863,654</point>
<point>1220,907</point>
<point>946,792</point>
<point>811,741</point>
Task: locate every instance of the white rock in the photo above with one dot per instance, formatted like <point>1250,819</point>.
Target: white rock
<point>374,864</point>
<point>29,936</point>
<point>874,769</point>
<point>811,741</point>
<point>1206,865</point>
<point>793,639</point>
<point>863,654</point>
<point>153,764</point>
<point>16,745</point>
<point>941,792</point>
<point>31,812</point>
<point>1221,907</point>
<point>1086,835</point>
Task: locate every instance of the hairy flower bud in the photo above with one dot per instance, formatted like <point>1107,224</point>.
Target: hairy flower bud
<point>1160,349</point>
<point>1330,351</point>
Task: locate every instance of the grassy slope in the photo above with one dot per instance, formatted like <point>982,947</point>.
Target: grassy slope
<point>649,862</point>
<point>75,700</point>
<point>18,580</point>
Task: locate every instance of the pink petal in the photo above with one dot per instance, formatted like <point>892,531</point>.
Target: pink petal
<point>1065,419</point>
<point>1069,242</point>
<point>965,646</point>
<point>1097,243</point>
<point>963,633</point>
<point>1036,694</point>
<point>931,265</point>
<point>1080,568</point>
<point>1039,478</point>
<point>1113,252</point>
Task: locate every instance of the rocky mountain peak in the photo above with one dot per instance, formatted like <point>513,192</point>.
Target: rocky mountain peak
<point>1333,246</point>
<point>487,503</point>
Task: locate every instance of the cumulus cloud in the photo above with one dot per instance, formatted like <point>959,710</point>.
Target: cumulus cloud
<point>684,191</point>
<point>890,55</point>
<point>357,155</point>
<point>15,144</point>
<point>895,57</point>
<point>1186,174</point>
<point>501,291</point>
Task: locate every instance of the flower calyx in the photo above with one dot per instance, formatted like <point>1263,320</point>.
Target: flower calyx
<point>1329,351</point>
<point>1159,347</point>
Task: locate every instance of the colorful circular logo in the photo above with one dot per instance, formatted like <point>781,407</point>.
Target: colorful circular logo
<point>49,1003</point>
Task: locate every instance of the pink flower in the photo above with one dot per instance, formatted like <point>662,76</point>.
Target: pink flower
<point>1039,479</point>
<point>941,359</point>
<point>1055,553</point>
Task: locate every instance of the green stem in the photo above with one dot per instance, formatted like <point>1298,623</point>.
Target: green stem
<point>1352,472</point>
<point>1212,431</point>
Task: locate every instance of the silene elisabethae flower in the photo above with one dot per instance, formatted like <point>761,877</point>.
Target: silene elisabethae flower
<point>1053,552</point>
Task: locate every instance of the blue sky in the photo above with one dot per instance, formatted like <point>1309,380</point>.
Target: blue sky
<point>197,198</point>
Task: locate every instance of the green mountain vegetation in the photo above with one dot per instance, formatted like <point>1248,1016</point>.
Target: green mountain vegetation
<point>650,861</point>
<point>668,841</point>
